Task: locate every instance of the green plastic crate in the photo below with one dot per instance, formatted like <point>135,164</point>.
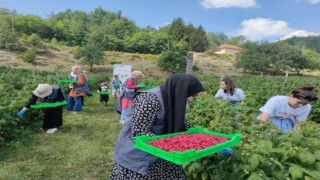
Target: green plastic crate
<point>104,92</point>
<point>67,81</point>
<point>47,105</point>
<point>189,155</point>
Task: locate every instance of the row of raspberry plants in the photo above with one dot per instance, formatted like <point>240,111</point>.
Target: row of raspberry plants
<point>263,154</point>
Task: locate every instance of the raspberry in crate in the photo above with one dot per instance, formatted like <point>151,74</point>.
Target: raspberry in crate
<point>187,146</point>
<point>184,142</point>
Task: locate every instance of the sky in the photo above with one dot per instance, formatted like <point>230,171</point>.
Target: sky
<point>256,20</point>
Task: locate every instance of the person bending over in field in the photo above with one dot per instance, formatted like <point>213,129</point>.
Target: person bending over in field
<point>229,92</point>
<point>52,118</point>
<point>287,112</point>
<point>157,111</point>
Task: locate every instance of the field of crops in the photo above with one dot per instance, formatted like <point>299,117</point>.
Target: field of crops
<point>263,154</point>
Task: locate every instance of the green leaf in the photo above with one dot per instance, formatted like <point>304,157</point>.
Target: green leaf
<point>317,165</point>
<point>204,175</point>
<point>307,157</point>
<point>279,164</point>
<point>317,154</point>
<point>255,176</point>
<point>295,171</point>
<point>315,174</point>
<point>254,161</point>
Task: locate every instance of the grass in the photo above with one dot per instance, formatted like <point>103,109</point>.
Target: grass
<point>81,149</point>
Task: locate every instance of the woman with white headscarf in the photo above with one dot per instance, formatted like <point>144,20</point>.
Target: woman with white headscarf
<point>130,89</point>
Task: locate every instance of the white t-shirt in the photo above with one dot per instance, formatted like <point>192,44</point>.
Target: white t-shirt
<point>282,115</point>
<point>278,107</point>
<point>238,95</point>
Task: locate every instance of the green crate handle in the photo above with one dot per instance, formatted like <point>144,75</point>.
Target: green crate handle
<point>147,86</point>
<point>67,81</point>
<point>47,105</point>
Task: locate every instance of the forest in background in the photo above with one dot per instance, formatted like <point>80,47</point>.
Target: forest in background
<point>92,33</point>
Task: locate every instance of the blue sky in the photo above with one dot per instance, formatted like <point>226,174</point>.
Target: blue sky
<point>254,19</point>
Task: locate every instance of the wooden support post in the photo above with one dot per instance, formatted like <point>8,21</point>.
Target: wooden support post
<point>189,63</point>
<point>286,77</point>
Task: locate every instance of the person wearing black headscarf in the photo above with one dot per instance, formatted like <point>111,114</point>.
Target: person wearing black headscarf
<point>157,111</point>
<point>175,91</point>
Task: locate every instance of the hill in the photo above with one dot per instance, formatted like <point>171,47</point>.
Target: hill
<point>62,59</point>
<point>310,42</point>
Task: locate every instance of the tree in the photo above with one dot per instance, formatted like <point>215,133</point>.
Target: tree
<point>177,30</point>
<point>34,40</point>
<point>139,42</point>
<point>201,42</point>
<point>313,56</point>
<point>91,54</point>
<point>251,58</point>
<point>172,61</point>
<point>160,41</point>
<point>274,58</point>
<point>295,59</point>
<point>216,39</point>
<point>122,28</point>
<point>236,40</point>
<point>7,32</point>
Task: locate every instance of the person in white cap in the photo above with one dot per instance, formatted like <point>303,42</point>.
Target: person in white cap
<point>52,115</point>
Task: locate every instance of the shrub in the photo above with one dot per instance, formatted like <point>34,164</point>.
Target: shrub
<point>172,61</point>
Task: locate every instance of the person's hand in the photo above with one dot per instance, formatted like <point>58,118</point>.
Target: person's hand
<point>20,113</point>
<point>141,85</point>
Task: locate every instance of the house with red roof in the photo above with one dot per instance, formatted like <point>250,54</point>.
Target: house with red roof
<point>228,49</point>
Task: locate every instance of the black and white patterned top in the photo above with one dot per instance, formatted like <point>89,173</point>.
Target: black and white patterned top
<point>146,107</point>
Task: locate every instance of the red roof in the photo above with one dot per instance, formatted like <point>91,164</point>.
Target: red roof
<point>229,46</point>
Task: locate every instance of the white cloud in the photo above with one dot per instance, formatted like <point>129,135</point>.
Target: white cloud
<point>299,33</point>
<point>262,28</point>
<point>314,1</point>
<point>229,3</point>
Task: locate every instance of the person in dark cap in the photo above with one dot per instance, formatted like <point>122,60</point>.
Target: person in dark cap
<point>157,111</point>
<point>52,118</point>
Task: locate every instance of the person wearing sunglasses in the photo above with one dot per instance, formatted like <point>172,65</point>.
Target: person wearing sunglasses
<point>287,112</point>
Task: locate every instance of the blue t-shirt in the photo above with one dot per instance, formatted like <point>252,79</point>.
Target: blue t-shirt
<point>116,83</point>
<point>237,96</point>
<point>283,115</point>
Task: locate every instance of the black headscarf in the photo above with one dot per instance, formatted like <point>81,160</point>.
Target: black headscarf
<point>175,91</point>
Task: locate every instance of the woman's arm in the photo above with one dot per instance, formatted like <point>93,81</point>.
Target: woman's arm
<point>130,85</point>
<point>264,117</point>
<point>32,101</point>
<point>219,94</point>
<point>145,109</point>
<point>297,125</point>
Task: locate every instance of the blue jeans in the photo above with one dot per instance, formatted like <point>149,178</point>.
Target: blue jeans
<point>74,101</point>
<point>285,124</point>
<point>123,114</point>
